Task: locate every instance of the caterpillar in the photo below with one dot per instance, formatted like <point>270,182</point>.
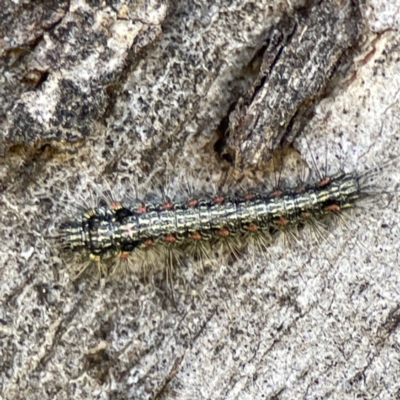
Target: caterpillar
<point>120,230</point>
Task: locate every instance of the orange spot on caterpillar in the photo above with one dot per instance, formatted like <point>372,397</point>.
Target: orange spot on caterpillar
<point>192,203</point>
<point>281,221</point>
<point>115,205</point>
<point>252,228</point>
<point>123,255</point>
<point>141,209</point>
<point>167,205</point>
<point>333,208</point>
<point>249,196</point>
<point>148,242</point>
<point>196,236</point>
<point>324,181</point>
<point>218,199</point>
<point>276,193</point>
<point>170,238</point>
<point>223,232</point>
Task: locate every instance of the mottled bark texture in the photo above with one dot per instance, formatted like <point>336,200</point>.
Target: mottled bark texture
<point>128,95</point>
<point>63,62</point>
<point>299,58</point>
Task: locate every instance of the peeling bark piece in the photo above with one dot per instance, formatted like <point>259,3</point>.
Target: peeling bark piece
<point>300,58</point>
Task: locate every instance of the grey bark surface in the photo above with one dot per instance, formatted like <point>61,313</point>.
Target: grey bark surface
<point>125,95</point>
<point>300,58</point>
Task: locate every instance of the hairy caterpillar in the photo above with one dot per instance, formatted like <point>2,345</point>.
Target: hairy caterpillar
<point>124,229</point>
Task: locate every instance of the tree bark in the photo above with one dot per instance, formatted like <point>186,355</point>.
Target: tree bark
<point>130,96</point>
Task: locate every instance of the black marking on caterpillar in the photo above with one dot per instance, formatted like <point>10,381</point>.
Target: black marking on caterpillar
<point>119,230</point>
